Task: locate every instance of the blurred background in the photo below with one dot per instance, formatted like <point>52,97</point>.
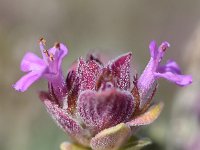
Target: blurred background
<point>112,27</point>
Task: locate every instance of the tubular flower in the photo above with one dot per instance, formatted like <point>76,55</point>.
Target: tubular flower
<point>49,67</point>
<point>153,71</point>
<point>98,105</point>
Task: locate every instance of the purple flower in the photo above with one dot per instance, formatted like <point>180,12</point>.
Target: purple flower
<point>98,105</point>
<point>153,71</point>
<point>49,67</point>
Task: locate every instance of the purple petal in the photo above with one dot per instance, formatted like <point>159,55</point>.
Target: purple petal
<point>100,110</point>
<point>32,62</point>
<point>161,51</point>
<point>153,49</point>
<point>88,74</point>
<point>164,45</point>
<point>146,82</point>
<point>59,51</point>
<point>25,81</point>
<point>172,72</point>
<point>120,69</point>
<point>181,80</point>
<point>171,66</point>
<point>62,53</point>
<point>54,74</point>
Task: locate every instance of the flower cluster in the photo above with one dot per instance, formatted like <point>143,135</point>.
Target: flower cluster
<point>99,105</point>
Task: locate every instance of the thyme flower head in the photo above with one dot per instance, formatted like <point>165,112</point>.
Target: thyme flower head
<point>98,104</point>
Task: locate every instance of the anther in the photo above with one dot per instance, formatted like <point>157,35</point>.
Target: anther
<point>57,45</point>
<point>42,40</point>
<point>51,57</point>
<point>46,52</point>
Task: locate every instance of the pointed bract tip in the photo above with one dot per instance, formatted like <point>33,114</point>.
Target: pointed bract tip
<point>129,54</point>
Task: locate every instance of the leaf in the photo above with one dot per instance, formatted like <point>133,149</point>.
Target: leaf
<point>148,117</point>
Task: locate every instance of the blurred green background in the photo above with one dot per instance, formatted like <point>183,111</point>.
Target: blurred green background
<point>110,26</point>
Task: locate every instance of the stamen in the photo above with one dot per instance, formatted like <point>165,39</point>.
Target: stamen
<point>57,45</point>
<point>43,41</point>
<point>46,52</point>
<point>51,57</point>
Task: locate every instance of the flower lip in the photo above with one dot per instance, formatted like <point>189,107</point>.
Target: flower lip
<point>171,66</point>
<point>32,62</point>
